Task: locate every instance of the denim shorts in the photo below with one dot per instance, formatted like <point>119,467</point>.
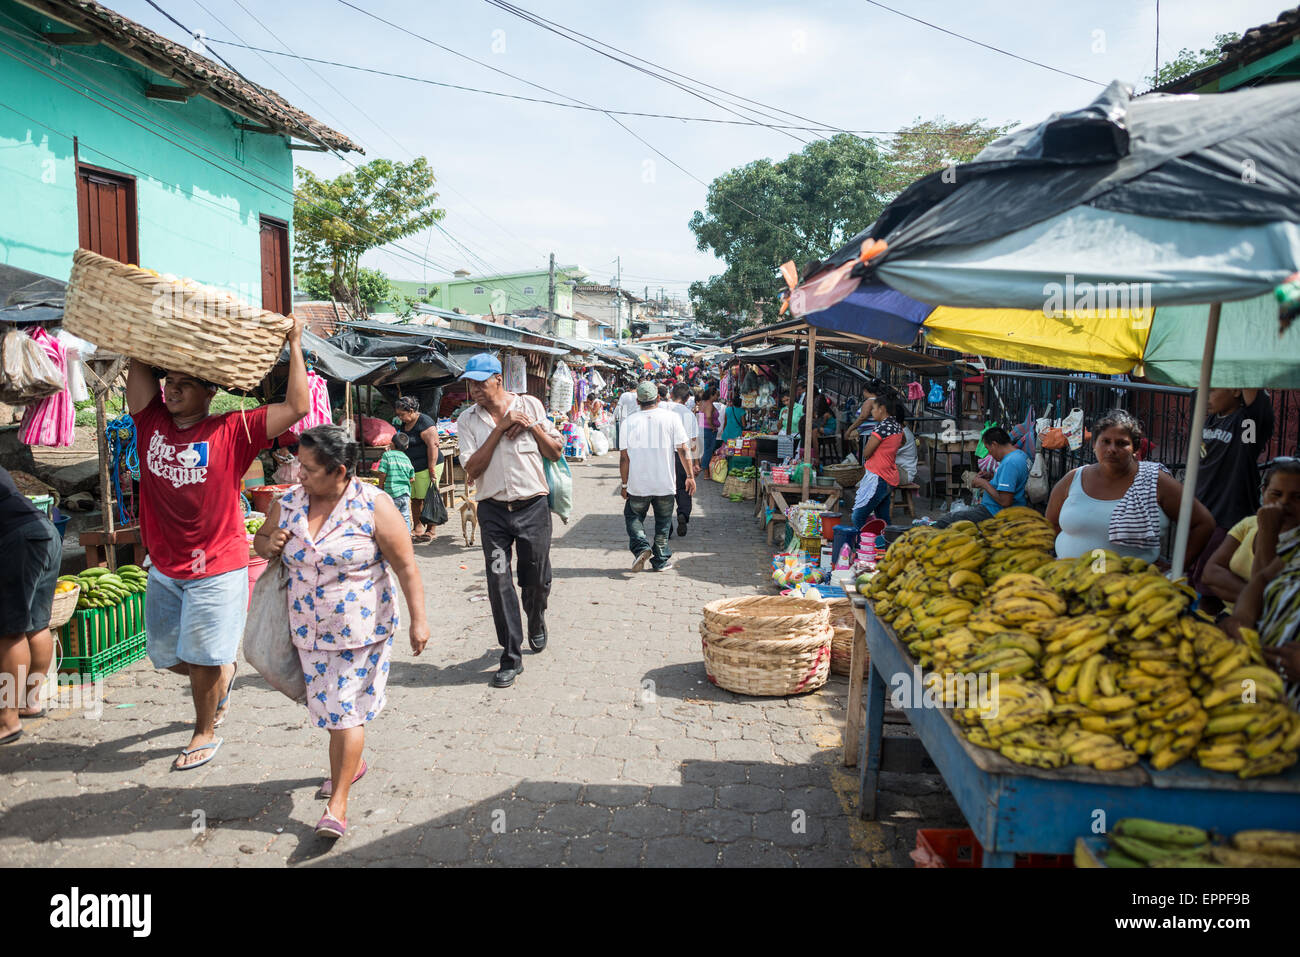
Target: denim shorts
<point>195,620</point>
<point>403,503</point>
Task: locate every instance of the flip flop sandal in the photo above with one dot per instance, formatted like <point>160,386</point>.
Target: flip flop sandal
<point>212,746</point>
<point>33,717</point>
<point>225,702</point>
<point>421,539</point>
<point>331,827</point>
<point>327,786</point>
<point>11,738</point>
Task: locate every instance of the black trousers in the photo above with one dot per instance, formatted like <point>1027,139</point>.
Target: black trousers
<point>683,496</point>
<point>527,528</point>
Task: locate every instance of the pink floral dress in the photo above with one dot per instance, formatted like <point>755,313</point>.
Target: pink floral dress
<point>342,606</point>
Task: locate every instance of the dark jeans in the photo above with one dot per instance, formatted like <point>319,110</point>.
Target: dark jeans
<point>977,514</point>
<point>708,444</point>
<point>526,527</point>
<point>683,496</point>
<point>634,513</point>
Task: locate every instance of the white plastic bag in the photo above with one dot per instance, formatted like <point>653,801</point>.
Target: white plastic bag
<point>599,442</point>
<point>26,373</point>
<point>1037,489</point>
<point>1072,426</point>
<point>267,646</point>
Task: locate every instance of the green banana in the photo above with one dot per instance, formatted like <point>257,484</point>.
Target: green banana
<point>1158,832</point>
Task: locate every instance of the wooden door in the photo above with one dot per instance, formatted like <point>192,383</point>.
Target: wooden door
<point>275,266</point>
<point>106,219</point>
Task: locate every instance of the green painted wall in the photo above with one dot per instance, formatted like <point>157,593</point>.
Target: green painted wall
<point>199,191</point>
<point>501,294</point>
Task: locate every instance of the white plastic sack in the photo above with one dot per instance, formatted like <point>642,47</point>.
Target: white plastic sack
<point>267,646</point>
<point>1037,489</point>
<point>1072,426</point>
<point>561,389</point>
<point>26,373</point>
<point>599,443</point>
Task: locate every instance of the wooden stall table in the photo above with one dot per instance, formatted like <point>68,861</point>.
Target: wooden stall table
<point>773,496</point>
<point>947,444</point>
<point>1014,809</point>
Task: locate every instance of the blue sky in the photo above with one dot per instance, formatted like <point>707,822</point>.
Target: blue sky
<point>520,180</point>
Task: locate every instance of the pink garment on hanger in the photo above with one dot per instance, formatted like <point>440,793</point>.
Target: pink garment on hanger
<point>319,413</point>
<point>914,391</point>
<point>50,422</point>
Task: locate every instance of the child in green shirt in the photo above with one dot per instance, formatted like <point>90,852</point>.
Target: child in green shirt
<point>395,471</point>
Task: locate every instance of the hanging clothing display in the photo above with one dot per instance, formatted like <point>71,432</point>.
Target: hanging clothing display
<point>514,373</point>
<point>50,421</point>
<point>76,351</point>
<point>319,413</point>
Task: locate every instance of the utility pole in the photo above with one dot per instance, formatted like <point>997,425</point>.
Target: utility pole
<point>618,297</point>
<point>550,294</point>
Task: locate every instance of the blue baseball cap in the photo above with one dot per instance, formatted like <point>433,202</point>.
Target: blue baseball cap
<point>482,367</point>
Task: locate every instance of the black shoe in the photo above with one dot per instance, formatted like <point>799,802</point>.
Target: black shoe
<point>506,677</point>
<point>537,642</point>
<point>681,525</point>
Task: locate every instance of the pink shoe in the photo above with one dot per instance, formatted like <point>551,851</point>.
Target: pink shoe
<point>331,827</point>
<point>327,786</point>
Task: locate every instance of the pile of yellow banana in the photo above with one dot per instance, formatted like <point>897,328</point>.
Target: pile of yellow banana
<point>1098,661</point>
<point>1250,729</point>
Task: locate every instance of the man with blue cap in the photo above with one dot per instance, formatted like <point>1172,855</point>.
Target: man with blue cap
<point>503,437</point>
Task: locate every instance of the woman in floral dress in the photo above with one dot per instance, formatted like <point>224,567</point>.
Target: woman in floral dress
<point>341,541</point>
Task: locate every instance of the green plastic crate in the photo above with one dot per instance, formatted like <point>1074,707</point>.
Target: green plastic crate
<point>93,631</point>
<point>101,664</point>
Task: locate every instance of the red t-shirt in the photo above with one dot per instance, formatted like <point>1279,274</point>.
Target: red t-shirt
<point>882,461</point>
<point>190,516</point>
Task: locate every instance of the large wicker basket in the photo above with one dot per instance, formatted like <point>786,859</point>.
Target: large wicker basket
<point>842,641</point>
<point>63,607</point>
<point>767,645</point>
<point>739,486</point>
<point>847,475</point>
<point>172,324</point>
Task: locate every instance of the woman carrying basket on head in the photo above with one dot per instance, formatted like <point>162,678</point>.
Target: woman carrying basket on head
<point>341,541</point>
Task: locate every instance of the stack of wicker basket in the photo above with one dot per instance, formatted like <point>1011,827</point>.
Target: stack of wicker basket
<point>841,613</point>
<point>767,645</point>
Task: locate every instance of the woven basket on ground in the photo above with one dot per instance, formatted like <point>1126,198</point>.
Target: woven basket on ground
<point>847,475</point>
<point>63,607</point>
<point>738,486</point>
<point>172,324</point>
<point>842,642</point>
<point>767,645</point>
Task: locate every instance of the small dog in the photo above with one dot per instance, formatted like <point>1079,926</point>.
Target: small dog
<point>468,514</point>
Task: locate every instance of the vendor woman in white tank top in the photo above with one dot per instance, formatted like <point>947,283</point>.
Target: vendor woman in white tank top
<point>1119,503</point>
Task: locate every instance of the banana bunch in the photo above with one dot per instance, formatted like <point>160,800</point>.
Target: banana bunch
<point>1018,527</point>
<point>950,548</point>
<point>1262,849</point>
<point>1010,561</point>
<point>101,588</point>
<point>1251,730</point>
<point>1138,842</point>
<point>1014,722</point>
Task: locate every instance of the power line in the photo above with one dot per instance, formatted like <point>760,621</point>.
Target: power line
<point>570,34</point>
<point>613,119</point>
<point>960,36</point>
<point>574,106</point>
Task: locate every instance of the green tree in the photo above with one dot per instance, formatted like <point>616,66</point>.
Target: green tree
<point>1188,62</point>
<point>931,145</point>
<point>404,305</point>
<point>336,220</point>
<point>373,287</point>
<point>763,214</point>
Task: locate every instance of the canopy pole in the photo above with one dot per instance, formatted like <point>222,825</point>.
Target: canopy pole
<point>1194,443</point>
<point>794,378</point>
<point>807,414</point>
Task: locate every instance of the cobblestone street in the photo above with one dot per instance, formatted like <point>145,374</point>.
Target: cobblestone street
<point>611,749</point>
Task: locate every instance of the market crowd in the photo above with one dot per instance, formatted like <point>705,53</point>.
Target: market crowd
<point>342,547</point>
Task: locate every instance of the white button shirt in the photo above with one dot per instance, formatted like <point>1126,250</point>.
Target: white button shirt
<point>515,470</point>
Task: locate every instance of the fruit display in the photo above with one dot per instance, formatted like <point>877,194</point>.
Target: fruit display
<point>253,523</point>
<point>1098,660</point>
<point>65,585</point>
<point>1137,842</point>
<point>101,588</point>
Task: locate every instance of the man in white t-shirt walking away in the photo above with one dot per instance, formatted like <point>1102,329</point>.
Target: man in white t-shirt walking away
<point>681,392</point>
<point>625,406</point>
<point>651,441</point>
